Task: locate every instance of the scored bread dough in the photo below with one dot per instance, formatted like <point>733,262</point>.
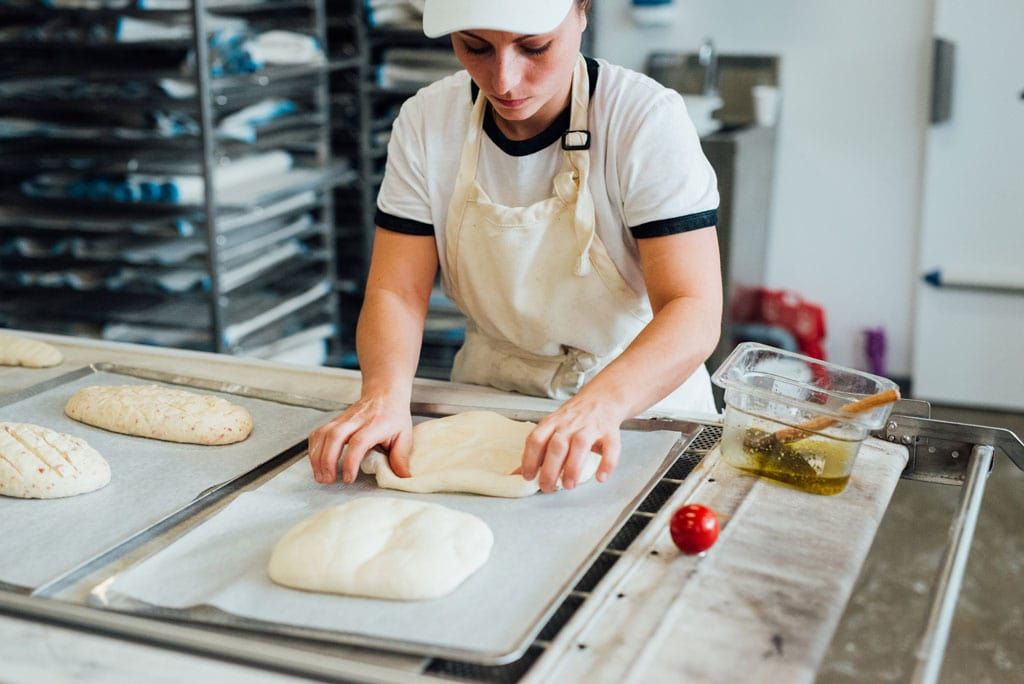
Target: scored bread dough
<point>40,463</point>
<point>159,412</point>
<point>19,351</point>
<point>473,452</point>
<point>382,547</point>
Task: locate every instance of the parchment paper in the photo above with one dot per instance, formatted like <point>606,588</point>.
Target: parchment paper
<point>541,543</point>
<point>43,539</point>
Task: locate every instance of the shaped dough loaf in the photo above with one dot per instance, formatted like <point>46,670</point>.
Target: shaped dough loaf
<point>39,463</point>
<point>382,547</point>
<point>18,351</point>
<point>473,452</point>
<point>159,412</point>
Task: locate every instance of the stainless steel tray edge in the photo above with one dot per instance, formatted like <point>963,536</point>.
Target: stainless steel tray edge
<point>175,379</point>
<point>222,386</point>
<point>45,385</point>
<point>205,501</point>
<point>190,640</point>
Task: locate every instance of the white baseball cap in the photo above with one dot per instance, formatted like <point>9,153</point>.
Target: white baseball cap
<point>441,17</point>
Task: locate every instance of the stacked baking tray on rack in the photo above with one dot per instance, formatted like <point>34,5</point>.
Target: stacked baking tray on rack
<point>159,188</point>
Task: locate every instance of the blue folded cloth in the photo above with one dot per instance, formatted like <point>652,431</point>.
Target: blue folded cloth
<point>243,124</point>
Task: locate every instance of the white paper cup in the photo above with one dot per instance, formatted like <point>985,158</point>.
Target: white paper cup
<point>766,104</point>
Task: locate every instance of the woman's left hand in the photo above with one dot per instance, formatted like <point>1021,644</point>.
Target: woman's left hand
<point>559,445</point>
<point>684,284</point>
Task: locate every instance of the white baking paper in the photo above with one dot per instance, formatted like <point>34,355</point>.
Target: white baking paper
<point>541,544</point>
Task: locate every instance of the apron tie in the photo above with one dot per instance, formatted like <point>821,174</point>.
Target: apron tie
<point>567,187</point>
<point>585,231</point>
<point>574,371</point>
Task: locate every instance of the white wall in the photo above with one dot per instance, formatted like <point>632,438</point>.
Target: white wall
<point>965,349</point>
<point>855,83</point>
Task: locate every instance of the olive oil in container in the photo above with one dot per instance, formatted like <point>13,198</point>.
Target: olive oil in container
<point>819,465</point>
<point>769,391</point>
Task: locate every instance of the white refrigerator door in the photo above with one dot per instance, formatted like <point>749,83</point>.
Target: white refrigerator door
<point>969,342</point>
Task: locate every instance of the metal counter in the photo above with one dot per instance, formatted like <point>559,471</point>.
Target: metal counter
<point>762,605</point>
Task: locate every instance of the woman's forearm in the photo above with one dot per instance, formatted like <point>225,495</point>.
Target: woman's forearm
<point>681,336</point>
<point>388,340</point>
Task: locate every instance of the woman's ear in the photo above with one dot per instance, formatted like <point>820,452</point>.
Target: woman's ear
<point>582,9</point>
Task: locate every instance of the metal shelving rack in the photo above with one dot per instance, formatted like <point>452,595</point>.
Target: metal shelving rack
<point>363,115</point>
<point>355,200</point>
<point>263,259</point>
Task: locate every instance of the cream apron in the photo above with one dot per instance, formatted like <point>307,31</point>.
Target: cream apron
<point>547,306</point>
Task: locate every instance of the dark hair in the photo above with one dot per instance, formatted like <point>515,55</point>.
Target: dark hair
<point>584,5</point>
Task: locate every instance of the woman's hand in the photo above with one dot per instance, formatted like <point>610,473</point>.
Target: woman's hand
<point>684,284</point>
<point>370,422</point>
<point>559,445</point>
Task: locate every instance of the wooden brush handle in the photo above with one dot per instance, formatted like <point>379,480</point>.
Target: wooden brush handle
<point>821,422</point>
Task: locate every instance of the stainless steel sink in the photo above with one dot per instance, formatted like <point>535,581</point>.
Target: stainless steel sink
<point>737,74</point>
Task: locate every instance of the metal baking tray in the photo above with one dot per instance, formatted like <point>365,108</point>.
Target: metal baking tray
<point>543,546</point>
<point>45,540</point>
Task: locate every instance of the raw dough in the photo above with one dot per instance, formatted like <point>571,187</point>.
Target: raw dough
<point>472,452</point>
<point>382,547</point>
<point>160,412</point>
<point>18,351</point>
<point>39,463</point>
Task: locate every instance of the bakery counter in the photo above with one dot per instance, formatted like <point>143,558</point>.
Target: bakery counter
<point>760,605</point>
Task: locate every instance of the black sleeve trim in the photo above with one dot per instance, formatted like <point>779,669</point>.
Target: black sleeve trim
<point>674,226</point>
<point>402,225</point>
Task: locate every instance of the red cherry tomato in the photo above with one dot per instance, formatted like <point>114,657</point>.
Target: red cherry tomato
<point>694,528</point>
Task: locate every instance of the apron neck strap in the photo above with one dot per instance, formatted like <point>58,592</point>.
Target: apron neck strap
<point>576,147</point>
<point>577,138</point>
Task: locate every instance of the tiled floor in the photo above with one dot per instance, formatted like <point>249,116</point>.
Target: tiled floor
<point>878,634</point>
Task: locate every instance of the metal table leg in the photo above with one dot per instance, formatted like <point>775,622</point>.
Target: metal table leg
<point>946,591</point>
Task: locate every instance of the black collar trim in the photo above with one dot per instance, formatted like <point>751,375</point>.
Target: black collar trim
<point>549,136</point>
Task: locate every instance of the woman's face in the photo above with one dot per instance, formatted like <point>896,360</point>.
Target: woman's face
<point>521,73</point>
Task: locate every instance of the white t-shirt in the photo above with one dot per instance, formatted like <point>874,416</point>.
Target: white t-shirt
<point>649,176</point>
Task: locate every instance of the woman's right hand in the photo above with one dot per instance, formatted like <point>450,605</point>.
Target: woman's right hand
<point>370,422</point>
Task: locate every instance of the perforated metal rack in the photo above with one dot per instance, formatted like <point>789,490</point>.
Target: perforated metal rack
<point>704,442</point>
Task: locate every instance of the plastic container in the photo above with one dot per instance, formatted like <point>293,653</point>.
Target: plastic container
<point>768,389</point>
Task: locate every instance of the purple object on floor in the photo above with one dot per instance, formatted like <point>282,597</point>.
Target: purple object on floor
<point>874,349</point>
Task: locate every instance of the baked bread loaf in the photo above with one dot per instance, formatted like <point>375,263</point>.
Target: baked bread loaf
<point>40,463</point>
<point>160,412</point>
<point>20,351</point>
